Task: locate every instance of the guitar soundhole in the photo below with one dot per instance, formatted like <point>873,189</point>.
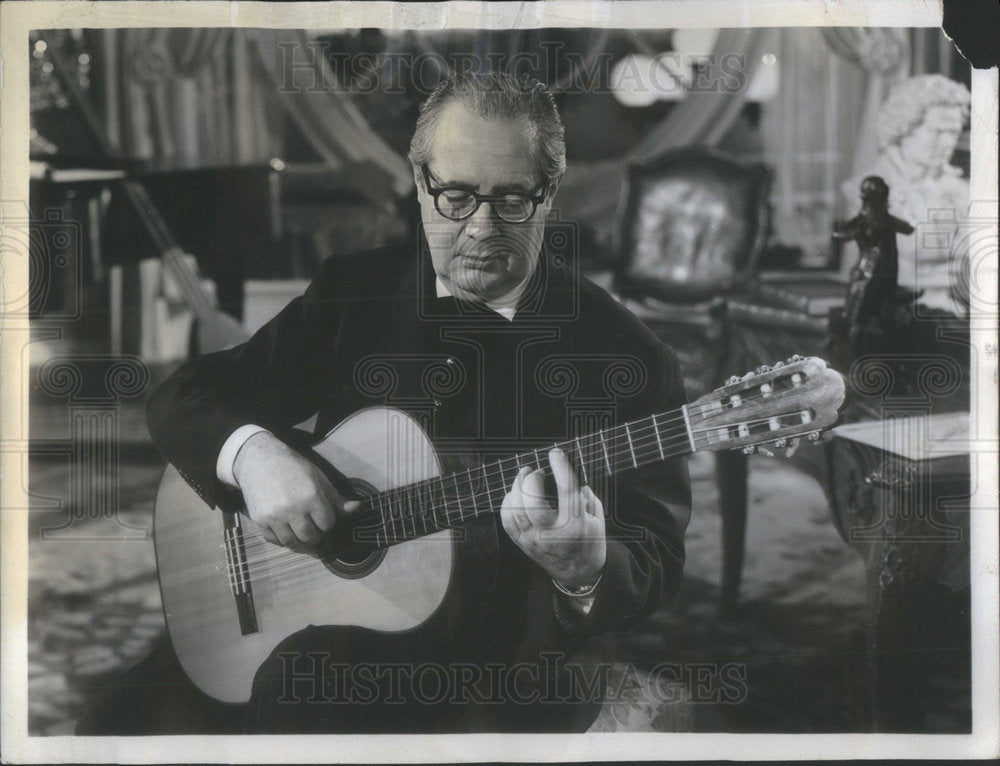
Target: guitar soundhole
<point>355,560</point>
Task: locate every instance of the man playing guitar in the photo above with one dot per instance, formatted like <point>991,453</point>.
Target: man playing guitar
<point>494,347</point>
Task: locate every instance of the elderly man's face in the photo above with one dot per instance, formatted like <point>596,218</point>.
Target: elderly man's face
<point>932,143</point>
<point>482,257</point>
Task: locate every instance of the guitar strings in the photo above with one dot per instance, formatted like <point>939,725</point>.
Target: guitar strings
<point>274,564</point>
<point>619,447</point>
<point>304,561</point>
<point>639,442</point>
<point>296,573</point>
<point>641,439</point>
<point>404,495</point>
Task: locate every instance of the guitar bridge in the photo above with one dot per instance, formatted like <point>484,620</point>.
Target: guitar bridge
<point>239,573</point>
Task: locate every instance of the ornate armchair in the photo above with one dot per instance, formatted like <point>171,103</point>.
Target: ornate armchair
<point>690,229</point>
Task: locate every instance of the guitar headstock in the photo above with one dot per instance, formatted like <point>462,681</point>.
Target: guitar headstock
<point>769,407</point>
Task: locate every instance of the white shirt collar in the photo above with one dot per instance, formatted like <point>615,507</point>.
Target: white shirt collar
<point>505,306</point>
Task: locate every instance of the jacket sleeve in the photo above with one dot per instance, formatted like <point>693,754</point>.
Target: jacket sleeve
<point>645,522</point>
<point>273,380</point>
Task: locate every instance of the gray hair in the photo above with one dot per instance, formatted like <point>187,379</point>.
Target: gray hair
<point>904,109</point>
<point>496,95</point>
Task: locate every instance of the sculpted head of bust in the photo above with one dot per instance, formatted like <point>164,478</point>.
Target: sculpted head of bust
<point>921,122</point>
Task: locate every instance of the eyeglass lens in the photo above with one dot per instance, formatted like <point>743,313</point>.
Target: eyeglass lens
<point>458,204</point>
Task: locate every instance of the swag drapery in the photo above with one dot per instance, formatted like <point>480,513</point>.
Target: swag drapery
<point>706,116</point>
<point>186,98</point>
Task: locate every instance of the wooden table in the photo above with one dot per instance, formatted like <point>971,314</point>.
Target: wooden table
<point>899,490</point>
<point>897,476</point>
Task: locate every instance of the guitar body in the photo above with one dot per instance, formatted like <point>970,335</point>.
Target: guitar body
<point>395,589</point>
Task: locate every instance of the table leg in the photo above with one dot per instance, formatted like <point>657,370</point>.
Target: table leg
<point>731,477</point>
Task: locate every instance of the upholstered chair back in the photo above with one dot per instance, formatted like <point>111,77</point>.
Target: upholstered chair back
<point>691,225</point>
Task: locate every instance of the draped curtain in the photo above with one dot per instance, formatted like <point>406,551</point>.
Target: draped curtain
<point>820,127</point>
<point>704,117</point>
<point>186,98</point>
<point>307,90</point>
<point>883,54</point>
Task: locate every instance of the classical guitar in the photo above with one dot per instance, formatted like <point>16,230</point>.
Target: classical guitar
<point>229,596</point>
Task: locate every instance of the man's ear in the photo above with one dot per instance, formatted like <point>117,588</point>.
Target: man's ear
<point>418,178</point>
<point>554,186</point>
<point>551,191</point>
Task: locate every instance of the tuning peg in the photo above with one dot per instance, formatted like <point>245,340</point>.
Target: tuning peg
<point>733,379</point>
<point>779,443</point>
<point>749,449</point>
<point>795,358</point>
<point>778,365</point>
<point>763,368</point>
<point>814,436</point>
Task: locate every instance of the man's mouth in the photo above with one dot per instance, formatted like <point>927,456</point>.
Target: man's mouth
<point>481,258</point>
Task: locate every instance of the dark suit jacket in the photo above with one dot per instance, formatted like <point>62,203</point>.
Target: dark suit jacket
<point>571,359</point>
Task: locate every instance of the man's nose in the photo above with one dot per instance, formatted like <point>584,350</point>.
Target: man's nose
<point>483,220</point>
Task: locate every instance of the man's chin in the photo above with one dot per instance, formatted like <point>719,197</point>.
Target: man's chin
<point>480,285</point>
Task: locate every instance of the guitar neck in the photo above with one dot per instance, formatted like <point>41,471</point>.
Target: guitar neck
<point>448,501</point>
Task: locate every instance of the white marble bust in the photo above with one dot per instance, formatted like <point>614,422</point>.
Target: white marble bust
<point>919,126</point>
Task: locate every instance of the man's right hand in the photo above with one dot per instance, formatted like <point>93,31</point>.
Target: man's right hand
<point>287,496</point>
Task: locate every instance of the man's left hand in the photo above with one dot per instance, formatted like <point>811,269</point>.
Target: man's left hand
<point>567,541</point>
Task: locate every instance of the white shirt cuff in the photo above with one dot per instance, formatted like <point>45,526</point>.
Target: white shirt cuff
<point>227,455</point>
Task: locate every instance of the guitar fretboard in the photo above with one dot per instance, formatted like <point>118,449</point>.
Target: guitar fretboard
<point>448,501</point>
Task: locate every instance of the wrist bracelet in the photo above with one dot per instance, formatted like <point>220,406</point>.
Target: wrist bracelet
<point>581,590</point>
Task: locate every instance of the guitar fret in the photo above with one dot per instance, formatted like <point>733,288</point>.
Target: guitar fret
<point>583,462</point>
<point>409,513</point>
<point>444,498</point>
<point>458,498</point>
<point>659,443</point>
<point>429,509</point>
<point>390,524</point>
<point>486,483</point>
<point>427,503</point>
<point>503,477</point>
<point>631,449</point>
<point>604,448</point>
<point>416,513</point>
<point>381,510</point>
<point>397,515</point>
<point>687,425</point>
<point>472,493</point>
